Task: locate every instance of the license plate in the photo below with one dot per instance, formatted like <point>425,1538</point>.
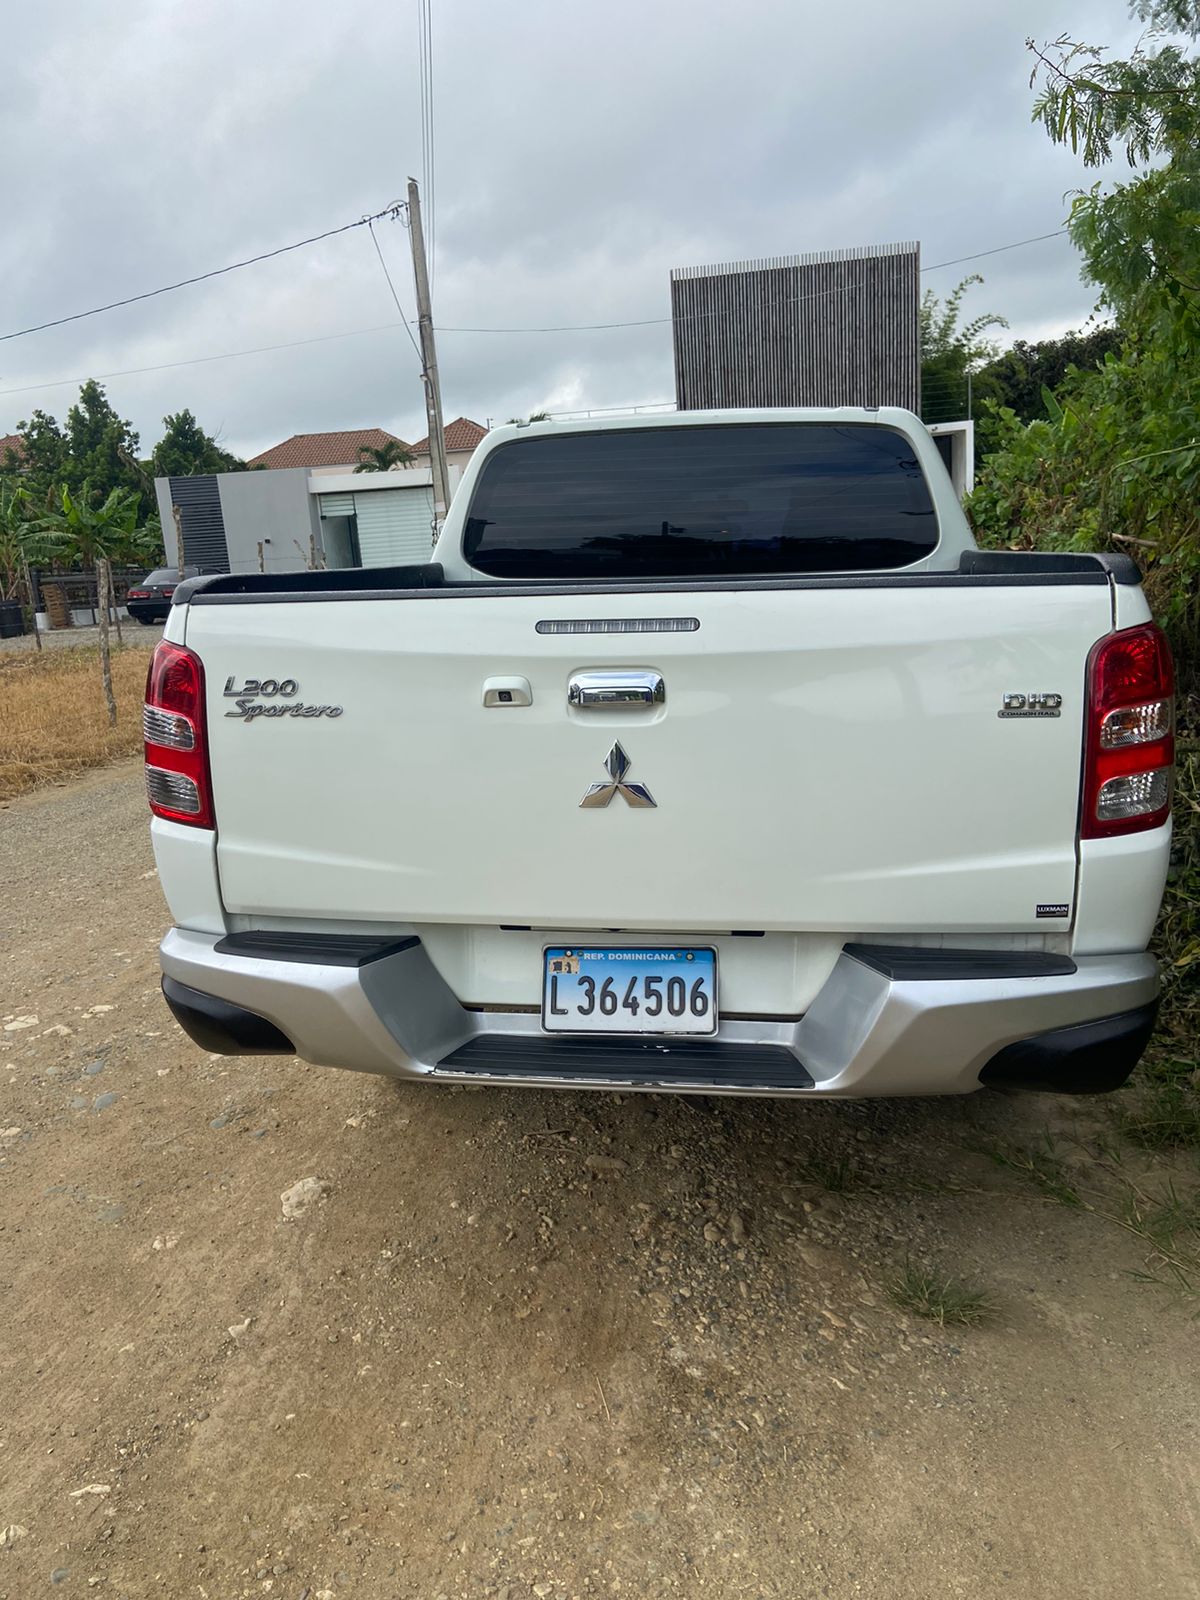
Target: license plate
<point>608,989</point>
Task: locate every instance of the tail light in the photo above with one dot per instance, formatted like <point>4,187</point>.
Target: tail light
<point>178,785</point>
<point>1130,748</point>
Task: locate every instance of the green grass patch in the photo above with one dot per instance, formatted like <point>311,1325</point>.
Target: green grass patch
<point>939,1296</point>
<point>836,1173</point>
<point>1039,1165</point>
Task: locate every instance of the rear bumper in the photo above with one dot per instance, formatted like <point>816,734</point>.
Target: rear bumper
<point>886,1022</point>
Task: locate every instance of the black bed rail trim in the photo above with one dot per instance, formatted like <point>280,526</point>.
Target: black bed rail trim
<point>338,581</point>
<point>319,949</point>
<point>1118,566</point>
<point>913,964</point>
<point>268,591</point>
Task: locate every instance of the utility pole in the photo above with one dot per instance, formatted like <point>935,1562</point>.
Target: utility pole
<point>433,390</point>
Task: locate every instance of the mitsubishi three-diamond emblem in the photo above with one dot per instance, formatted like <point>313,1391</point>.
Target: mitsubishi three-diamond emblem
<point>617,765</point>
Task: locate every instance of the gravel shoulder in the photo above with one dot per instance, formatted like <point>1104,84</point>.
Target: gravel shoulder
<point>86,634</point>
<point>532,1344</point>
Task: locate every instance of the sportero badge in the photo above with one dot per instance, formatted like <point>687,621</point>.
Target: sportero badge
<point>617,765</point>
<point>248,707</point>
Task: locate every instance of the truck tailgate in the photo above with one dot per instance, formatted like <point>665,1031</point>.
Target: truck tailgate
<point>825,757</point>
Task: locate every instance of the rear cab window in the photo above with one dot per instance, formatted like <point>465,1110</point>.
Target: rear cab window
<point>734,500</point>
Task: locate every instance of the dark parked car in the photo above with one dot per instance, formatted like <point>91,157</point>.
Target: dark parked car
<point>150,600</point>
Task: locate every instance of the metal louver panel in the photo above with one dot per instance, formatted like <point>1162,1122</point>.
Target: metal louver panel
<point>831,328</point>
<point>199,502</point>
<point>336,505</point>
<point>394,526</point>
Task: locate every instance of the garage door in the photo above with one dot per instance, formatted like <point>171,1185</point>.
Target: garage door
<point>394,526</point>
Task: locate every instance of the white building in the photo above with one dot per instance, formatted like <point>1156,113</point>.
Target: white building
<point>303,504</point>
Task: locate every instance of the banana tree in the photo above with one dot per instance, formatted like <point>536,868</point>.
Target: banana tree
<point>91,535</point>
<point>21,541</point>
<point>15,537</point>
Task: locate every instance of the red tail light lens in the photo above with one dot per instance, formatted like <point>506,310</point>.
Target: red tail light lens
<point>178,785</point>
<point>1130,750</point>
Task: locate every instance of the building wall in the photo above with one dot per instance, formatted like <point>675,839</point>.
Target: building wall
<point>275,507</point>
<point>827,329</point>
<point>202,527</point>
<point>454,459</point>
<point>225,515</point>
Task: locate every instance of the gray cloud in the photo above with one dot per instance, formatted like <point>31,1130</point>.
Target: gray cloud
<point>582,151</point>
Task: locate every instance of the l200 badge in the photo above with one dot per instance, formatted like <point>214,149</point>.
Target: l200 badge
<point>249,707</point>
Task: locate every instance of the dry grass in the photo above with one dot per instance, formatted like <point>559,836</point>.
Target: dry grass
<point>52,718</point>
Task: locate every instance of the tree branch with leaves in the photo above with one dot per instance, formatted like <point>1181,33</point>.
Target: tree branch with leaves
<point>383,457</point>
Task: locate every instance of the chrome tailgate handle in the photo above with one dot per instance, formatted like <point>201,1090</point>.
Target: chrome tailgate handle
<point>616,690</point>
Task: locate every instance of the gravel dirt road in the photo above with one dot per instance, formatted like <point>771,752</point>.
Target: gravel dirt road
<point>528,1344</point>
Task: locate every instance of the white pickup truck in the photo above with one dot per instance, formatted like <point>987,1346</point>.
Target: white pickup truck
<point>707,754</point>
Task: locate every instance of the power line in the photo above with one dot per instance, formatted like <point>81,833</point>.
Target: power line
<point>201,277</point>
<point>425,79</point>
<point>431,176</point>
<point>195,361</point>
<point>424,95</point>
<point>395,296</point>
<point>392,211</point>
<point>654,322</point>
<point>999,249</point>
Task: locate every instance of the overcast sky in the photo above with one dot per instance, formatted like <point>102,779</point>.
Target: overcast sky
<point>582,150</point>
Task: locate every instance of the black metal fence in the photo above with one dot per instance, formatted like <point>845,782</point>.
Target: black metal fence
<point>60,594</point>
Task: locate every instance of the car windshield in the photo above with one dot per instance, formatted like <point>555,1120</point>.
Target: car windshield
<point>719,500</point>
<point>162,575</point>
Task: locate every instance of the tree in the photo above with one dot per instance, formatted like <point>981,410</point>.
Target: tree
<point>95,446</point>
<point>102,447</point>
<point>1021,372</point>
<point>951,353</point>
<point>1115,462</point>
<point>1017,379</point>
<point>43,454</point>
<point>78,529</point>
<point>19,538</point>
<point>185,450</point>
<point>1138,239</point>
<point>534,416</point>
<point>383,457</point>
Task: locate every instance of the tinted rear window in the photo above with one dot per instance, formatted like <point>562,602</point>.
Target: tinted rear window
<point>701,501</point>
<point>162,575</point>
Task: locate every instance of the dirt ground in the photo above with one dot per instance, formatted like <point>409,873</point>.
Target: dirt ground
<point>532,1344</point>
